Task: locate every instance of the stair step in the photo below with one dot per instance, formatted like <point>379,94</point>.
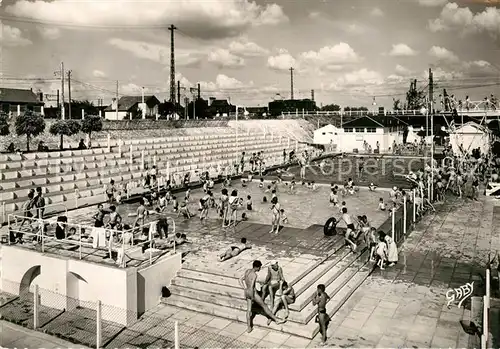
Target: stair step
<point>308,330</point>
<point>208,277</point>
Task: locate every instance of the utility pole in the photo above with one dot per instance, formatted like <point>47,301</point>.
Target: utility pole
<point>172,29</point>
<point>116,111</point>
<point>69,93</point>
<point>62,91</point>
<point>431,91</point>
<point>58,105</point>
<point>179,92</point>
<point>291,83</point>
<point>312,95</point>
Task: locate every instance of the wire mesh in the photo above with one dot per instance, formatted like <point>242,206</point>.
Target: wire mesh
<point>75,320</point>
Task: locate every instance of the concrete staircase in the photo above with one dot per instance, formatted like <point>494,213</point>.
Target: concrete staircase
<point>341,272</point>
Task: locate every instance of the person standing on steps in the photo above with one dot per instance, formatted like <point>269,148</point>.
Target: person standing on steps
<point>252,295</point>
<point>320,298</point>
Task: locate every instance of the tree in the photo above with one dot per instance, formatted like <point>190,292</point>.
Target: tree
<point>29,124</point>
<point>64,128</point>
<point>331,107</point>
<point>396,105</point>
<point>76,108</point>
<point>4,125</point>
<point>495,149</point>
<point>415,99</point>
<point>91,124</point>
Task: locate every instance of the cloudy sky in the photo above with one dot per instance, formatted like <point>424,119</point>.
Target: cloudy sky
<point>349,51</point>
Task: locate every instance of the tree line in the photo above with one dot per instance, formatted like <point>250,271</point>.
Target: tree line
<point>31,125</point>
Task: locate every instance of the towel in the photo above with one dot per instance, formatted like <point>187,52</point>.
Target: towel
<point>95,237</point>
<point>152,229</point>
<point>392,250</point>
<point>101,237</point>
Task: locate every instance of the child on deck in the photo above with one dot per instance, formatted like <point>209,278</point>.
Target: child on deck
<point>292,187</point>
<point>381,251</point>
<point>371,242</point>
<point>341,209</point>
<point>372,187</point>
<point>314,186</point>
<point>261,183</point>
<point>187,195</point>
<point>275,210</point>
<point>284,218</point>
<point>184,210</point>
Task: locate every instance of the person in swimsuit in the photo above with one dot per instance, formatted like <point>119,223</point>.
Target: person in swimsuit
<point>114,217</point>
<point>205,204</point>
<point>248,283</point>
<point>99,216</point>
<point>275,210</point>
<point>140,220</point>
<point>233,251</point>
<point>285,296</point>
<point>320,298</point>
<point>346,217</point>
<point>274,281</point>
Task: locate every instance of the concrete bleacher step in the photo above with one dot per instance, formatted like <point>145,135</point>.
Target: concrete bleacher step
<point>339,294</point>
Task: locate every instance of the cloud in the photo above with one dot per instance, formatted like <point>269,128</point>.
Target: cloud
<point>362,77</point>
<point>402,50</point>
<point>183,80</point>
<point>376,12</point>
<point>453,17</point>
<point>50,33</point>
<point>282,61</point>
<point>330,57</point>
<point>158,53</point>
<point>12,36</point>
<point>247,48</point>
<point>443,54</point>
<point>403,71</point>
<point>225,59</point>
<point>222,82</point>
<point>432,3</point>
<point>98,74</point>
<point>200,19</point>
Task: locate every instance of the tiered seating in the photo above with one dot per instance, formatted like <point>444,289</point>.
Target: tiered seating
<point>288,128</point>
<point>76,178</point>
<point>201,290</point>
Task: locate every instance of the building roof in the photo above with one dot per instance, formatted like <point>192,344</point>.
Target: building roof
<point>326,127</point>
<point>14,95</point>
<point>364,121</point>
<point>219,103</point>
<point>126,103</point>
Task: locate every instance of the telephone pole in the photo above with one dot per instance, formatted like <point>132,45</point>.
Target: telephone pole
<point>62,91</point>
<point>291,83</point>
<point>116,111</point>
<point>69,93</point>
<point>172,29</point>
<point>431,91</point>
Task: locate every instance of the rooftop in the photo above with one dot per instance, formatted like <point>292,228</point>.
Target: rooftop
<point>14,95</point>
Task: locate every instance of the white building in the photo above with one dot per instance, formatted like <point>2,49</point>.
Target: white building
<point>130,106</point>
<point>326,135</point>
<point>470,136</point>
<point>370,131</point>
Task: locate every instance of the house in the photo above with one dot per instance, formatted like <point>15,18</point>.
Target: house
<point>130,107</point>
<point>470,136</point>
<point>16,101</point>
<point>326,135</point>
<point>220,107</point>
<point>366,130</point>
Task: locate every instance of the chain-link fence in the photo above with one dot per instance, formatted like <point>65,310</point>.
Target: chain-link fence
<point>97,325</point>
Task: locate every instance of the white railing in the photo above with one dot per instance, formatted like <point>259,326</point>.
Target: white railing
<point>126,238</point>
<point>486,309</point>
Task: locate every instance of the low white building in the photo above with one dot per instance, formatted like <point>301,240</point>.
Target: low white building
<point>470,136</point>
<point>378,133</point>
<point>326,135</point>
<point>130,106</point>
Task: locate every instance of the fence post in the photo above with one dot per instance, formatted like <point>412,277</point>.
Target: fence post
<point>76,197</point>
<point>98,334</point>
<point>120,148</point>
<point>176,335</point>
<point>109,142</point>
<point>142,159</point>
<point>393,227</point>
<point>131,155</point>
<point>36,307</point>
<point>414,206</point>
<point>3,212</point>
<point>405,212</point>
